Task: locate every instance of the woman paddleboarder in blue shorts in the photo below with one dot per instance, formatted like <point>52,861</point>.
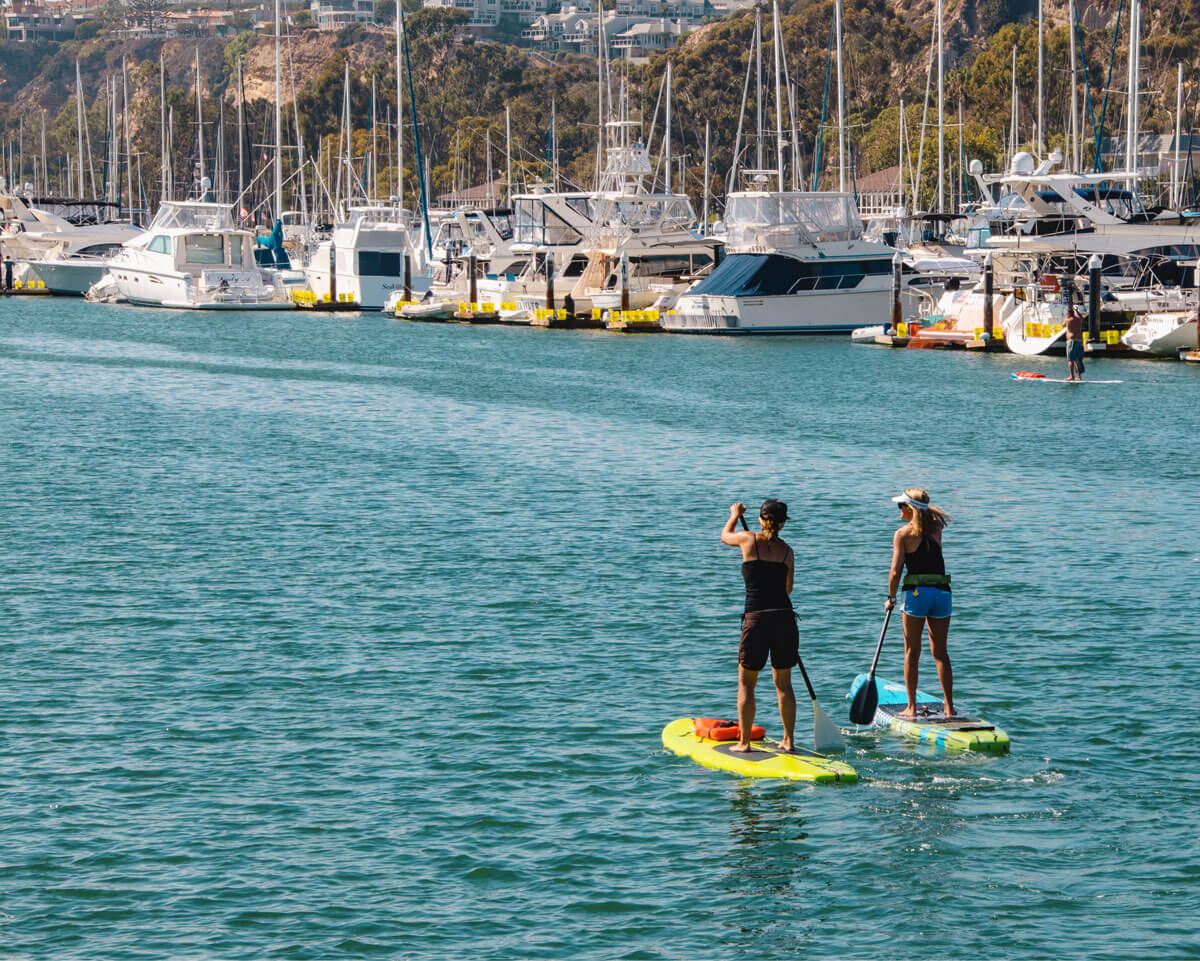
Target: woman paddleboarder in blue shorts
<point>917,550</point>
<point>768,624</point>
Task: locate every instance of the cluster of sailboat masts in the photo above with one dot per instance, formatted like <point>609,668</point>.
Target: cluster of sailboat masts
<point>1003,268</point>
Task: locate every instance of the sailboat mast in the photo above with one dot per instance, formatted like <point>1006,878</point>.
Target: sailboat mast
<point>941,164</point>
<point>241,120</point>
<point>707,131</point>
<point>1131,126</point>
<point>1176,179</point>
<point>1041,135</point>
<point>758,82</point>
<point>162,126</point>
<point>79,127</point>
<point>128,142</point>
<point>1073,136</point>
<point>278,124</point>
<point>841,97</point>
<point>399,182</point>
<point>667,133</point>
<point>778,96</point>
<point>349,128</point>
<point>199,118</point>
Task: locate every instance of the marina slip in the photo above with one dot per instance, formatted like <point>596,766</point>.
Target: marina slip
<point>327,636</point>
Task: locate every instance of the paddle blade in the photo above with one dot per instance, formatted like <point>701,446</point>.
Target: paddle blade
<point>862,709</point>
<point>826,736</point>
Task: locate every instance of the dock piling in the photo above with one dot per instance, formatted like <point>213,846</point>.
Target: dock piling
<point>1094,295</point>
<point>989,286</point>
<point>897,286</point>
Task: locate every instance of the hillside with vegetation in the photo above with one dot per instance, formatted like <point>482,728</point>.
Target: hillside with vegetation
<point>463,86</point>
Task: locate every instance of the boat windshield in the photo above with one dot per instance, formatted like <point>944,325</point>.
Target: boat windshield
<point>791,219</point>
<point>535,223</point>
<point>668,211</point>
<point>193,216</point>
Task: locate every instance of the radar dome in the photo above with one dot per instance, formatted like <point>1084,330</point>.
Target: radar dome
<point>1023,164</point>
<point>976,167</point>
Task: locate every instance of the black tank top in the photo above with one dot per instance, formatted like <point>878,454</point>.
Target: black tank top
<point>926,559</point>
<point>766,584</point>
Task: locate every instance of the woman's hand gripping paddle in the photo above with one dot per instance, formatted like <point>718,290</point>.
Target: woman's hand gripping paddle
<point>862,710</point>
<point>826,736</point>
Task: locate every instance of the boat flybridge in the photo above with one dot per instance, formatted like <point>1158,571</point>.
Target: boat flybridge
<point>796,262</point>
<point>363,260</point>
<point>597,248</point>
<point>191,256</point>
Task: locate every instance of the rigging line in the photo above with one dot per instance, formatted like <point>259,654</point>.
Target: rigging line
<point>1087,88</point>
<point>1112,57</point>
<point>824,104</point>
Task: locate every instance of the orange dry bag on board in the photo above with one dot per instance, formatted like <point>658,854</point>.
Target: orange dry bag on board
<point>716,730</point>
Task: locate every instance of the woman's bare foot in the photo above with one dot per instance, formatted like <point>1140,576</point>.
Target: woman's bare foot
<point>909,713</point>
<point>948,709</point>
<point>787,748</point>
<point>741,748</point>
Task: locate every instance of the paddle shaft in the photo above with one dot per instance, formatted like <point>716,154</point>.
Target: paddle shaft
<point>799,663</point>
<point>879,647</point>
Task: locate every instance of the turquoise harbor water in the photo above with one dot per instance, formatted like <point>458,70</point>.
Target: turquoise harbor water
<point>331,637</point>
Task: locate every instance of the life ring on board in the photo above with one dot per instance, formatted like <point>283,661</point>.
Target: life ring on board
<point>1028,375</point>
<point>715,730</point>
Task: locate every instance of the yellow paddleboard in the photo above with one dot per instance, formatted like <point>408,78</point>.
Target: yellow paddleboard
<point>766,760</point>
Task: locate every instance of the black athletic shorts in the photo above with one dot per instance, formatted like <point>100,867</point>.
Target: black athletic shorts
<point>769,632</point>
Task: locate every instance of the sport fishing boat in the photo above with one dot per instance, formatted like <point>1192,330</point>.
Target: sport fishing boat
<point>192,257</point>
<point>796,262</point>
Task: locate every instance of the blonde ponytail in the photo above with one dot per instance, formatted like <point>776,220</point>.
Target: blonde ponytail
<point>931,520</point>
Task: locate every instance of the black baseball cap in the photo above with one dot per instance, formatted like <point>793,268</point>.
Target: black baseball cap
<point>774,509</point>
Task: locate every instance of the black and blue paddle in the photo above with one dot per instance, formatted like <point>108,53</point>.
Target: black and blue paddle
<point>862,710</point>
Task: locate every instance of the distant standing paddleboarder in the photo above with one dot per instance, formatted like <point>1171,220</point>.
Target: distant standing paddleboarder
<point>768,624</point>
<point>917,550</point>
<point>1074,329</point>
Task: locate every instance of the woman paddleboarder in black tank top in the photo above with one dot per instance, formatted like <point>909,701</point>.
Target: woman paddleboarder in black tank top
<point>917,551</point>
<point>768,624</point>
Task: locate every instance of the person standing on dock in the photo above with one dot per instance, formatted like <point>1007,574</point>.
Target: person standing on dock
<point>768,623</point>
<point>917,550</point>
<point>1074,329</point>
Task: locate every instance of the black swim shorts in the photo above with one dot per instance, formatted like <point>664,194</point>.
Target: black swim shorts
<point>769,632</point>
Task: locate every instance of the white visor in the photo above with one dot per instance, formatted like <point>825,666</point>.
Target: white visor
<point>905,499</point>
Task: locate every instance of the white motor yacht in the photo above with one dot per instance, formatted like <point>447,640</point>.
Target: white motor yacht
<point>191,257</point>
<point>797,263</point>
<point>65,243</point>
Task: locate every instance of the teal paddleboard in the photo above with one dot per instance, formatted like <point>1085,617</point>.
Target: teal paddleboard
<point>962,732</point>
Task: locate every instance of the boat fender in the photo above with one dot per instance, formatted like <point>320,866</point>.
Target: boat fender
<point>715,730</point>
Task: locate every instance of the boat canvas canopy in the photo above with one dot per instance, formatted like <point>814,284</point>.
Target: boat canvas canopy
<point>774,275</point>
<point>791,219</point>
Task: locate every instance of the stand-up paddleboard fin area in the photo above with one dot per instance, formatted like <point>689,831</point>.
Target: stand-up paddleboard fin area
<point>962,732</point>
<point>765,759</point>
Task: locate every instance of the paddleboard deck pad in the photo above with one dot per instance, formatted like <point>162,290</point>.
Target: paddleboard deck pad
<point>765,760</point>
<point>963,732</point>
